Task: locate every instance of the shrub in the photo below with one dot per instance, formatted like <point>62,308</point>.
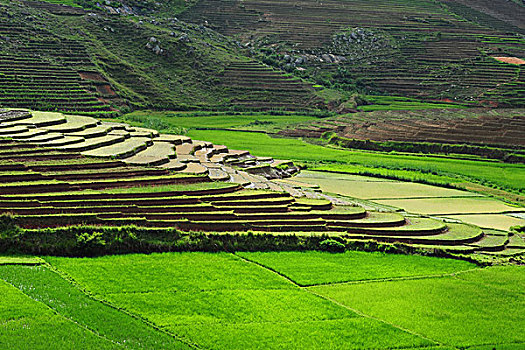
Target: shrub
<point>8,227</point>
<point>332,246</point>
<point>519,229</point>
<point>90,243</point>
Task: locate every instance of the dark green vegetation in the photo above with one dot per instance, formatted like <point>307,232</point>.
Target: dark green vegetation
<point>96,63</point>
<point>228,301</point>
<point>429,49</point>
<point>135,54</point>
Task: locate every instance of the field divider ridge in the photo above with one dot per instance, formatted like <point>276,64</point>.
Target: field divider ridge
<point>70,319</point>
<point>64,275</point>
<point>357,312</point>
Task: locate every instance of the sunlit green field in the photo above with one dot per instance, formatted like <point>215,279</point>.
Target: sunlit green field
<point>355,300</point>
<point>28,324</point>
<point>312,268</point>
<point>475,308</point>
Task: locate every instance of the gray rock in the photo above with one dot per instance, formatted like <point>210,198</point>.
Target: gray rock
<point>327,58</point>
<point>184,38</point>
<point>157,50</point>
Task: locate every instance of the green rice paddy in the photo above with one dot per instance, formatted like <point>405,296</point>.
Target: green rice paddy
<point>460,311</point>
<point>312,268</point>
<point>444,206</point>
<point>371,188</point>
<point>496,221</point>
<point>29,324</point>
<point>355,300</point>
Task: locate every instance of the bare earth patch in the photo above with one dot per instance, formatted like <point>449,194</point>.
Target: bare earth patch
<point>511,60</point>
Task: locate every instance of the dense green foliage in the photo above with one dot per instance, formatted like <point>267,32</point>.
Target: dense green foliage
<point>97,240</point>
<point>429,148</point>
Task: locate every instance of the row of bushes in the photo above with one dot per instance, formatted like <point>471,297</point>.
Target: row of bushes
<point>505,155</point>
<point>96,241</point>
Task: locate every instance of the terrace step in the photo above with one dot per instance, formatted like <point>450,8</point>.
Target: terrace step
<point>91,144</point>
<point>456,234</point>
<point>156,154</point>
<point>124,149</point>
<point>491,243</point>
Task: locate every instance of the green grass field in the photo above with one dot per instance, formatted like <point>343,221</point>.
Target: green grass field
<point>476,308</point>
<point>311,268</point>
<point>222,301</point>
<point>355,300</point>
<point>114,329</point>
<point>28,324</point>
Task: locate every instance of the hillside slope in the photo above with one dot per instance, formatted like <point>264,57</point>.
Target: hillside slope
<point>421,48</point>
<point>65,58</point>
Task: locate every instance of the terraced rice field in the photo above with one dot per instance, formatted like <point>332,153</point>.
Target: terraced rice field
<point>496,128</point>
<point>413,64</point>
<point>444,206</point>
<point>465,206</point>
<point>259,87</point>
<point>374,188</point>
<point>496,221</point>
<point>49,187</point>
<point>134,145</point>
